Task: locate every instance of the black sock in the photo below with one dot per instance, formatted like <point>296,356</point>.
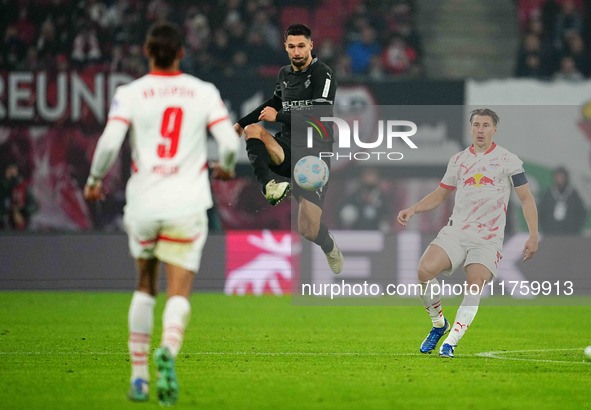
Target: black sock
<point>323,239</point>
<point>259,159</point>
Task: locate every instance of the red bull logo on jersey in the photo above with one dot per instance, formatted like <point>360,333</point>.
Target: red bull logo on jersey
<point>479,180</point>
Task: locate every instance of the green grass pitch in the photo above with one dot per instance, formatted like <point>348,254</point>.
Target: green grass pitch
<point>68,350</point>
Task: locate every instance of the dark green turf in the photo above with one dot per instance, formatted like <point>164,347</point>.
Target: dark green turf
<point>68,351</point>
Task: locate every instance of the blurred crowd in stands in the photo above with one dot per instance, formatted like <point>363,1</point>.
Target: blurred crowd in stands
<point>555,39</point>
<point>232,37</point>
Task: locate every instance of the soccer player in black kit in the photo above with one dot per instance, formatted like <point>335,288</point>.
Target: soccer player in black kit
<point>306,82</point>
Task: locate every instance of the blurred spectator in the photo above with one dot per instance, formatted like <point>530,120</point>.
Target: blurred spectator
<point>362,50</point>
<point>365,207</point>
<point>530,67</point>
<point>328,52</point>
<point>263,24</point>
<point>197,32</point>
<point>217,33</point>
<point>398,57</point>
<point>575,48</point>
<point>17,203</point>
<point>342,67</point>
<point>562,211</point>
<point>31,61</point>
<point>568,21</point>
<point>158,10</point>
<point>375,71</point>
<point>260,53</point>
<point>532,61</point>
<point>568,70</point>
<point>86,47</point>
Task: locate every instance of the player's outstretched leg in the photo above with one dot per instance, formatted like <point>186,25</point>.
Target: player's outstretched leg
<point>329,246</point>
<point>141,315</point>
<point>430,296</point>
<point>335,257</point>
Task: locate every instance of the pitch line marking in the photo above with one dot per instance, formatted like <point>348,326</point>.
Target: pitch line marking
<point>224,353</point>
<point>490,355</point>
<point>495,355</point>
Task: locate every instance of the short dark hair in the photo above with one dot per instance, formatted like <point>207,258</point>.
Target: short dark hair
<point>485,112</point>
<point>298,30</point>
<point>163,43</point>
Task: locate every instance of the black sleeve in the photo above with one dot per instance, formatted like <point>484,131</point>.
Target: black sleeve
<point>325,86</point>
<point>253,117</point>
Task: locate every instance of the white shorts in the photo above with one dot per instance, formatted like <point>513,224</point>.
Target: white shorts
<point>177,241</point>
<point>464,248</point>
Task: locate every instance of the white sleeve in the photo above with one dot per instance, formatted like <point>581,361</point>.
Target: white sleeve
<point>110,141</point>
<point>222,130</point>
<point>108,148</point>
<point>515,165</point>
<point>450,179</point>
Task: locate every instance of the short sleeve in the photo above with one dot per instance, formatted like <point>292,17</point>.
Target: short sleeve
<point>515,171</point>
<point>515,165</point>
<point>450,179</point>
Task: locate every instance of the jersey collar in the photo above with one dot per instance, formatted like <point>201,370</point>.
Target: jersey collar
<point>314,59</point>
<point>493,146</point>
<point>165,73</point>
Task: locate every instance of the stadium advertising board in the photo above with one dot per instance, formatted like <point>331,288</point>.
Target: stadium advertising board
<point>381,269</point>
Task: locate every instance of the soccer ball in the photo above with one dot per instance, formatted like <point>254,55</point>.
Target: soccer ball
<point>588,353</point>
<point>311,173</point>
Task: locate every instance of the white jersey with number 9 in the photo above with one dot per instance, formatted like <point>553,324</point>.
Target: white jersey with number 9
<point>168,116</point>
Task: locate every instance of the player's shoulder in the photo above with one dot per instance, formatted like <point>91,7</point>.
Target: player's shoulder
<point>457,158</point>
<point>283,71</point>
<point>199,83</point>
<point>505,153</point>
<point>319,67</point>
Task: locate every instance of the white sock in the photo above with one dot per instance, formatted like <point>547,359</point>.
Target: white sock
<point>464,317</point>
<point>432,301</point>
<point>174,320</point>
<point>141,322</point>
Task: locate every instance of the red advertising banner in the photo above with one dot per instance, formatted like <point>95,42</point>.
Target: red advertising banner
<point>258,262</point>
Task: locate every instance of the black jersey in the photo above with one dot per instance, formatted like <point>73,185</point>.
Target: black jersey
<point>296,90</point>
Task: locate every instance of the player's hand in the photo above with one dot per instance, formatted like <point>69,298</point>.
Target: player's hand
<point>530,248</point>
<point>404,216</point>
<point>219,173</point>
<point>94,193</point>
<point>239,130</point>
<point>268,114</point>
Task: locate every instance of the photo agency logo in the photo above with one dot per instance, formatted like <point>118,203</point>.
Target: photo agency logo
<point>355,147</point>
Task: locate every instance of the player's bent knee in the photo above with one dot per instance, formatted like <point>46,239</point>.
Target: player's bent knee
<point>425,274</point>
<point>254,131</point>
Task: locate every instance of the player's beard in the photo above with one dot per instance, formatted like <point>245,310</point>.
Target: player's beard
<point>300,63</point>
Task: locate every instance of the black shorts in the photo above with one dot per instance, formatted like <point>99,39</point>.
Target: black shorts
<point>285,169</point>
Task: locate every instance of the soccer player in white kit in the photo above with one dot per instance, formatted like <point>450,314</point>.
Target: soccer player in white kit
<point>482,176</point>
<point>168,114</point>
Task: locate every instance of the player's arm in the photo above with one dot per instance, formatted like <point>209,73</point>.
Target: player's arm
<point>222,131</point>
<point>530,213</point>
<point>428,203</point>
<point>262,113</point>
<point>228,150</point>
<point>105,155</point>
<point>324,86</point>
